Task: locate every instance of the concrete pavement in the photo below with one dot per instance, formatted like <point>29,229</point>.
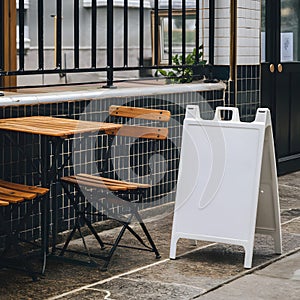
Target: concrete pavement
<point>206,270</point>
<point>280,280</point>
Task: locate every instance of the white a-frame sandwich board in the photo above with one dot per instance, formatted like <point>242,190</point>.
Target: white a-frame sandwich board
<point>227,186</point>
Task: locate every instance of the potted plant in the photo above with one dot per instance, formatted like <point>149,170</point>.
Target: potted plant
<point>185,74</point>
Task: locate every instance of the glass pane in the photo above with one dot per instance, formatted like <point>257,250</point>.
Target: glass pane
<point>177,34</point>
<point>289,32</point>
<point>263,31</point>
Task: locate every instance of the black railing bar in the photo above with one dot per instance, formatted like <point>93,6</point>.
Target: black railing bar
<point>156,33</point>
<point>88,70</point>
<point>94,34</point>
<point>141,58</point>
<point>110,43</point>
<point>1,40</point>
<point>76,34</point>
<point>52,71</point>
<point>58,33</point>
<point>170,31</point>
<point>150,67</point>
<point>211,31</point>
<point>197,32</point>
<point>125,33</point>
<point>41,34</point>
<point>78,83</point>
<point>98,82</point>
<point>183,30</point>
<point>51,85</point>
<point>21,34</point>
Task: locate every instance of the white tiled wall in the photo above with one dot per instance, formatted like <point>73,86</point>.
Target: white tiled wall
<point>222,32</point>
<point>248,35</point>
<point>248,31</point>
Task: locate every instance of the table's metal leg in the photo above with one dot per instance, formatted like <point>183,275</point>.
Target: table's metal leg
<point>45,207</point>
<point>54,179</point>
<point>45,204</point>
<point>51,169</point>
<point>44,232</point>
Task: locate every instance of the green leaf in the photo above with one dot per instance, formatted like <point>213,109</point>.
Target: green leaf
<point>163,72</point>
<point>179,74</point>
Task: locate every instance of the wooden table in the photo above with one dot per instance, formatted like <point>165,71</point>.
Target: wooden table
<point>54,127</point>
<point>53,132</point>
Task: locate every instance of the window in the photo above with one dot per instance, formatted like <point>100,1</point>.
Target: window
<point>117,3</point>
<point>26,28</point>
<point>176,33</point>
<point>26,4</point>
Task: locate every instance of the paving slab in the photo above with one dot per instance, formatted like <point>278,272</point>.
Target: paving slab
<point>292,180</point>
<point>289,197</point>
<point>292,227</point>
<point>287,268</point>
<point>280,280</point>
<point>255,287</point>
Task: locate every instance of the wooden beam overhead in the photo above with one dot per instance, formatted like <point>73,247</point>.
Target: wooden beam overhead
<point>9,41</point>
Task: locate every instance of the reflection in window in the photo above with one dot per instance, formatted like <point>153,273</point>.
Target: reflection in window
<point>177,34</point>
<point>190,33</point>
<point>290,30</point>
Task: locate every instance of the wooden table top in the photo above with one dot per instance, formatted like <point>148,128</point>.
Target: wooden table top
<point>54,126</point>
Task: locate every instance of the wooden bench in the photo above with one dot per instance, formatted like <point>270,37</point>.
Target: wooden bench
<point>114,191</point>
<point>12,195</point>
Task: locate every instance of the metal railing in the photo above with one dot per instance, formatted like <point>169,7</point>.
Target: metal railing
<point>110,67</point>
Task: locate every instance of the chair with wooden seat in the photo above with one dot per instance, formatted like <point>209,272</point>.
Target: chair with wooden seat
<point>110,195</point>
<point>12,196</point>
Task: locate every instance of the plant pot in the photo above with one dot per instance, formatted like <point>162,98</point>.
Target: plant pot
<point>198,71</point>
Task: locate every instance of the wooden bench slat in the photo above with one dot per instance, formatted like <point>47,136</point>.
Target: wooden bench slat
<point>12,192</point>
<point>11,199</point>
<point>89,183</point>
<point>145,132</point>
<point>23,188</point>
<point>140,113</point>
<point>101,180</point>
<point>106,180</point>
<point>4,203</point>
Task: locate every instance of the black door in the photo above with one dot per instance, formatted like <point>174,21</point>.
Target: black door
<point>280,84</point>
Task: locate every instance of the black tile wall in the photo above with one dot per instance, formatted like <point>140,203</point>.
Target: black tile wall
<point>18,167</point>
<point>248,91</point>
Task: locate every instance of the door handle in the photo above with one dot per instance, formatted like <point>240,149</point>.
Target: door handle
<point>279,68</point>
<point>272,68</point>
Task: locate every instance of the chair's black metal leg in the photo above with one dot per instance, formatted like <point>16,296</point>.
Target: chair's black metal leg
<point>94,232</point>
<point>74,200</point>
<point>138,217</point>
<point>85,245</point>
<point>82,218</point>
<point>24,262</point>
<point>115,245</point>
<point>136,236</point>
<point>12,242</point>
<point>69,238</point>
